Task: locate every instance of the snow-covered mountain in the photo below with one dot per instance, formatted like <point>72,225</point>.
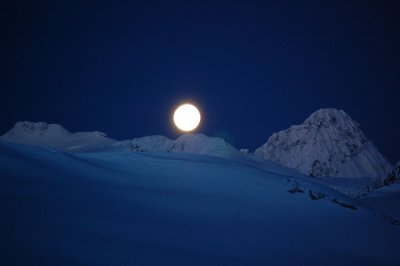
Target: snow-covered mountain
<point>328,144</point>
<point>55,136</point>
<point>128,208</point>
<point>189,143</point>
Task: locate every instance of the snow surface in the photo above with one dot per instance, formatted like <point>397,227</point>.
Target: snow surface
<point>55,136</point>
<point>328,144</point>
<point>350,186</point>
<point>178,209</point>
<point>385,199</point>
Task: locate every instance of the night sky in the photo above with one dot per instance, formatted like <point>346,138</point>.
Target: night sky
<point>254,68</point>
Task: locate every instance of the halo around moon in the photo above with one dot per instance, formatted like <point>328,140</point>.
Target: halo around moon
<point>187,117</point>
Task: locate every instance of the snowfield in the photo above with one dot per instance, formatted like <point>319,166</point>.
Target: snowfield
<point>386,199</point>
<point>132,208</point>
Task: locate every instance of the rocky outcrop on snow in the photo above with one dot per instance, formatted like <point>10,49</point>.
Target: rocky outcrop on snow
<point>55,136</point>
<point>154,143</point>
<point>328,144</point>
<point>396,171</point>
<point>393,176</point>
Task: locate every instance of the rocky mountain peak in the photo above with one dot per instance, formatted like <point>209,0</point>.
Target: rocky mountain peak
<point>329,143</point>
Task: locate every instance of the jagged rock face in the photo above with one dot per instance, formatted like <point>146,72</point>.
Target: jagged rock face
<point>393,176</point>
<point>396,171</point>
<point>328,144</point>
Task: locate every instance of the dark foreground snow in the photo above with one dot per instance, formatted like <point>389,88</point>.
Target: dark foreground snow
<point>386,199</point>
<point>178,209</point>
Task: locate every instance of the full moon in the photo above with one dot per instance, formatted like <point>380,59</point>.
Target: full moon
<point>187,117</point>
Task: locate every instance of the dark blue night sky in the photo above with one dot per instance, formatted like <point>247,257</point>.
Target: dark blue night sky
<point>253,67</point>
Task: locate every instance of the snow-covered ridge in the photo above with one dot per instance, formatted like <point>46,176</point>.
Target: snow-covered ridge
<point>189,143</point>
<point>328,143</point>
<point>55,136</point>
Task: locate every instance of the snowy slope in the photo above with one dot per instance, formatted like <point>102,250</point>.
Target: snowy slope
<point>385,199</point>
<point>350,186</point>
<point>177,209</point>
<point>328,144</point>
<point>55,136</point>
<point>195,143</point>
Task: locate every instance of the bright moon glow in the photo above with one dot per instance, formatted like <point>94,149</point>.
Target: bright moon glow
<point>187,117</point>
